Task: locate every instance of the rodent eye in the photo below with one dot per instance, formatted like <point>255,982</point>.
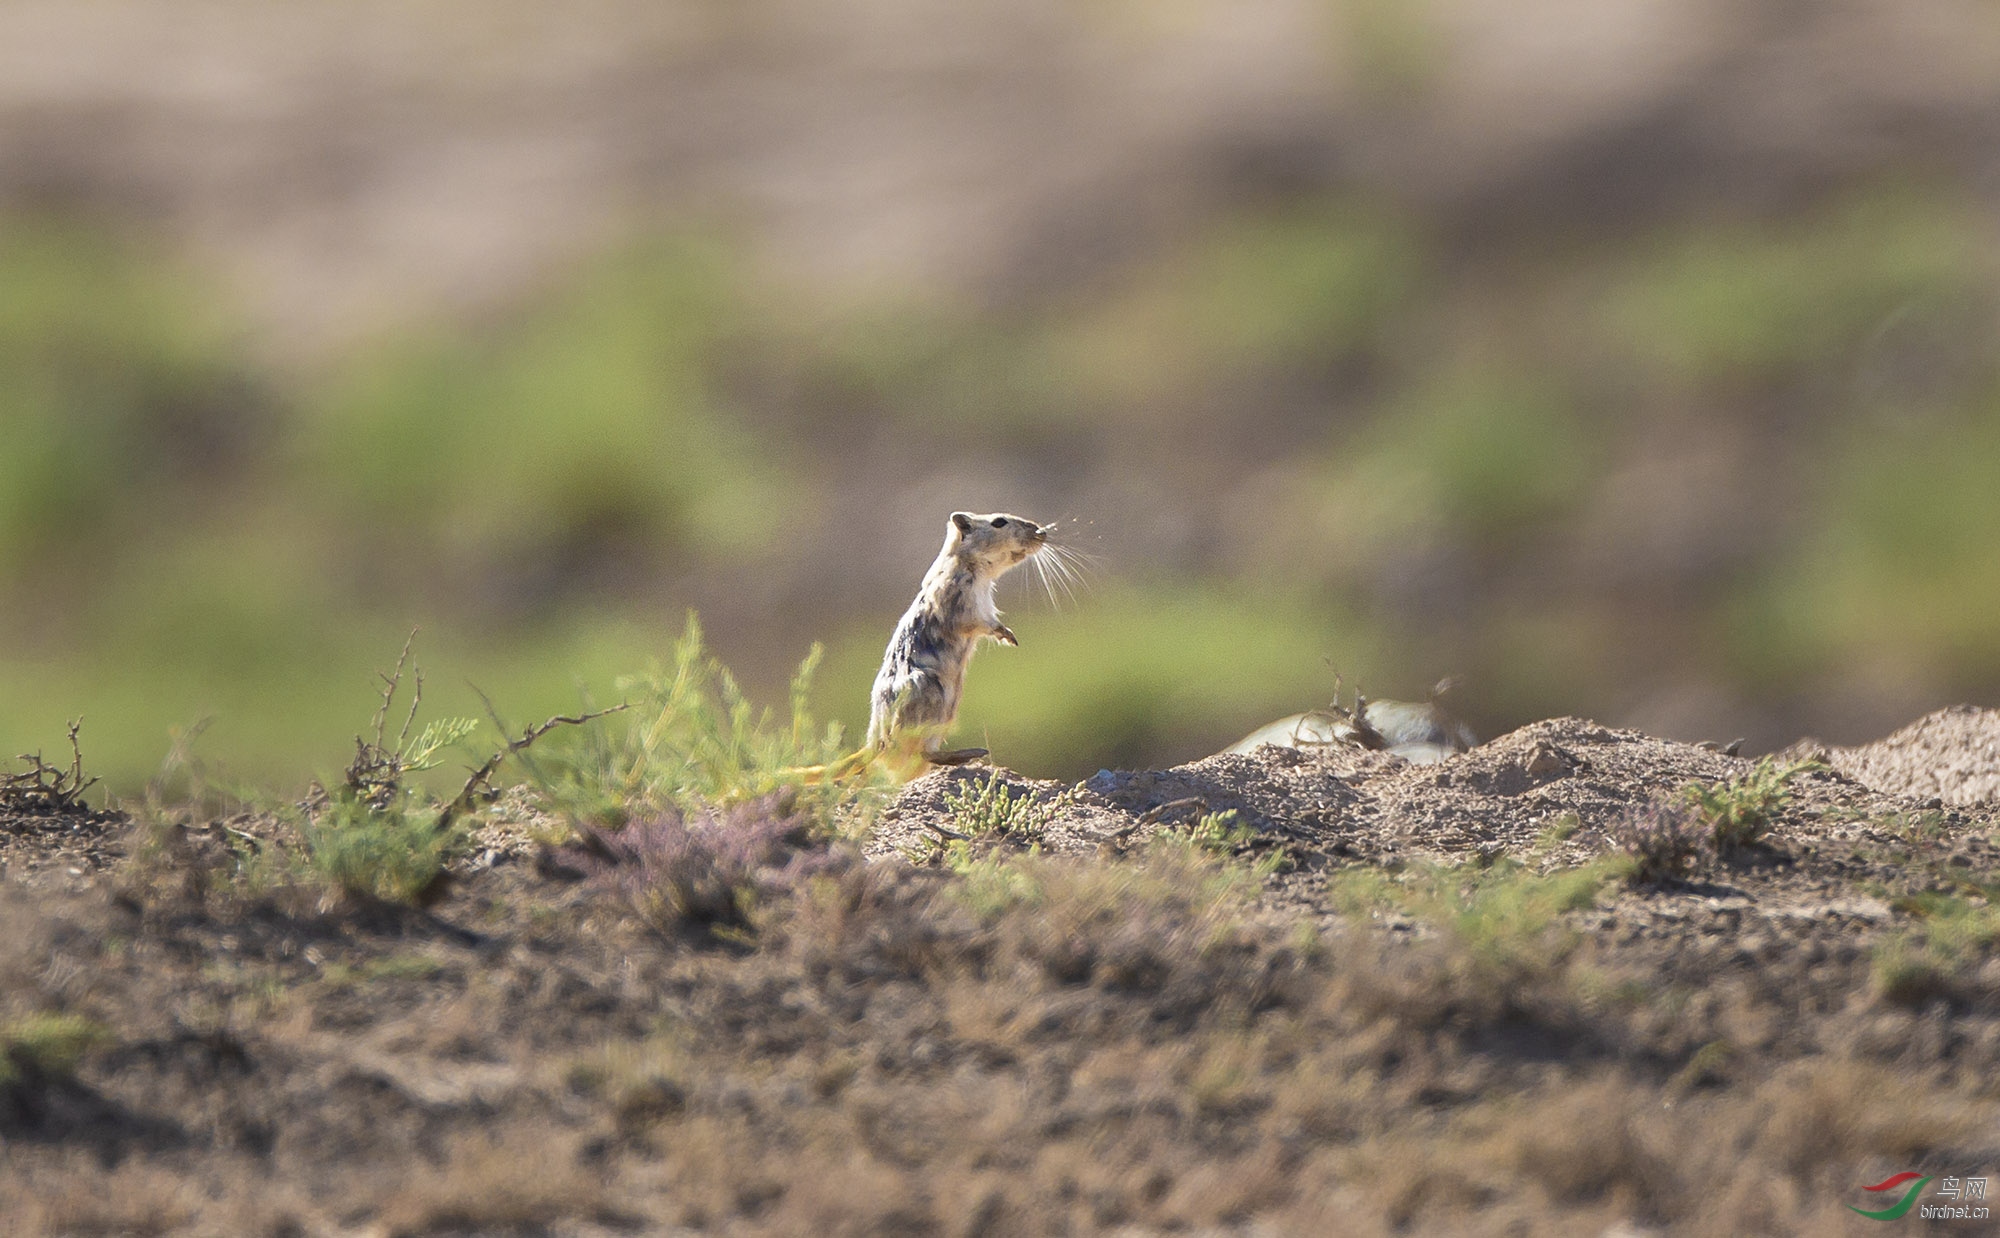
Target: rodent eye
<point>1000,522</point>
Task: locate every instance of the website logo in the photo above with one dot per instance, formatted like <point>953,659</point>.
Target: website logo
<point>1901,1206</point>
<point>1956,1195</point>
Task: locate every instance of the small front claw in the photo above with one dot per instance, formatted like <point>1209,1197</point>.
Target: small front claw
<point>1005,635</point>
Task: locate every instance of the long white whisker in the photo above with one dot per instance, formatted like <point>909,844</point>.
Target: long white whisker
<point>1060,575</point>
<point>1061,584</point>
<point>1051,565</point>
<point>1072,579</point>
<point>1066,578</point>
<point>1069,555</point>
<point>1058,583</point>
<point>1082,558</point>
<point>1042,574</point>
<point>1072,566</point>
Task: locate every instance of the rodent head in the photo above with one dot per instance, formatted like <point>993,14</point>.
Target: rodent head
<point>994,542</point>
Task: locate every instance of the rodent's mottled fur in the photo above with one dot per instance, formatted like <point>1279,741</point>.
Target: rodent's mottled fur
<point>923,670</point>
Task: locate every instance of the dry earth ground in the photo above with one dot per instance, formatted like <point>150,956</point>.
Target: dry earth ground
<point>1441,1013</point>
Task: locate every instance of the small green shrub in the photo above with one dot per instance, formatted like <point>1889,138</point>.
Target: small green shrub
<point>997,811</point>
<point>1738,812</point>
<point>1905,974</point>
<point>1555,834</point>
<point>395,852</point>
<point>1925,825</point>
<point>1509,918</point>
<point>374,834</point>
<point>983,814</point>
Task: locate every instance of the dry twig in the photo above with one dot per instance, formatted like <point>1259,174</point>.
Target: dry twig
<point>1158,813</point>
<point>48,790</point>
<point>479,783</point>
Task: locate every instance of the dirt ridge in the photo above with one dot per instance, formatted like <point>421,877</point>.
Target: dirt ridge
<point>1098,1038</point>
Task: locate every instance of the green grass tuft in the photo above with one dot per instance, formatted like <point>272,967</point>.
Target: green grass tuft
<point>994,883</point>
<point>1504,919</point>
<point>691,738</point>
<point>1219,832</point>
<point>1951,938</point>
<point>1221,835</point>
<point>47,1045</point>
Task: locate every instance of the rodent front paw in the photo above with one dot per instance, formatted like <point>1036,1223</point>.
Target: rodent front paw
<point>1005,636</point>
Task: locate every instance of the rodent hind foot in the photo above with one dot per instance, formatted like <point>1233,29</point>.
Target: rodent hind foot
<point>955,756</point>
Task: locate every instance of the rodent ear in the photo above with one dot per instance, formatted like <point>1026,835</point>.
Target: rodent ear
<point>963,520</point>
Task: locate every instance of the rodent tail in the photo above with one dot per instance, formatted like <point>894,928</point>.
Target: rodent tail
<point>854,763</point>
<point>904,757</point>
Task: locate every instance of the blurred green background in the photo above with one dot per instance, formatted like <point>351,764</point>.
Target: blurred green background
<point>1611,424</point>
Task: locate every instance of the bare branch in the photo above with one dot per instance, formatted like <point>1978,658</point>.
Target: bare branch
<point>480,778</point>
<point>75,755</point>
<point>1159,812</point>
<point>390,683</point>
<point>416,699</point>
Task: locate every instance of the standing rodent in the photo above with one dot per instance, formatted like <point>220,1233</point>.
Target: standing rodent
<point>923,670</point>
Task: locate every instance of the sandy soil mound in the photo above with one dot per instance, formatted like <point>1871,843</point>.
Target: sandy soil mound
<point>1501,798</point>
<point>1952,756</point>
